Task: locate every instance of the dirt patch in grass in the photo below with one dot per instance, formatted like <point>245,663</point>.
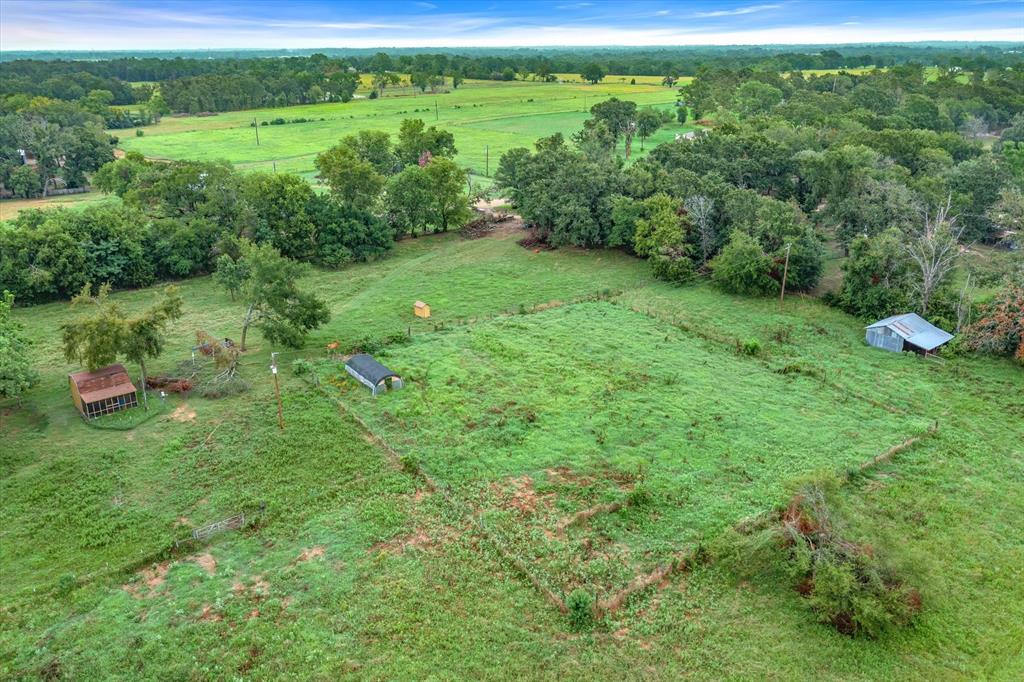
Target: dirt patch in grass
<point>519,494</point>
<point>148,581</point>
<point>183,413</point>
<point>205,561</point>
<point>250,660</point>
<point>547,306</point>
<point>209,615</point>
<point>258,587</point>
<point>311,553</point>
<point>563,475</point>
<point>492,223</point>
<point>418,539</point>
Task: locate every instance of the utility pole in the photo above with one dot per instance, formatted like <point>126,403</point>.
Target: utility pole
<point>785,272</point>
<point>436,115</point>
<point>256,127</point>
<point>277,390</point>
<point>487,160</point>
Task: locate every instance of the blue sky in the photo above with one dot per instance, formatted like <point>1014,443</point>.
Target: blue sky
<point>191,24</point>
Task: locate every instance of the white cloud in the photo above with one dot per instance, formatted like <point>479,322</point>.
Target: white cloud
<point>97,25</point>
<point>662,13</point>
<point>750,9</point>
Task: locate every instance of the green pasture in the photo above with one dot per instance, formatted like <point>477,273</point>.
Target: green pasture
<point>599,392</point>
<point>582,377</point>
<point>486,117</point>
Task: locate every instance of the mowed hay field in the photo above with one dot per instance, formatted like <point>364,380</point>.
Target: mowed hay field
<point>483,115</point>
<point>542,384</point>
<point>10,208</point>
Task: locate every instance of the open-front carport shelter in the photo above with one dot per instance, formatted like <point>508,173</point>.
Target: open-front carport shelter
<point>371,373</point>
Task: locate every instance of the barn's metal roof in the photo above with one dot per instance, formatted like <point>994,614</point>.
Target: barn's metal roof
<point>369,369</point>
<point>915,329</point>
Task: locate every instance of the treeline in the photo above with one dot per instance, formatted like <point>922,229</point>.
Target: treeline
<point>176,219</point>
<point>888,165</point>
<point>232,82</point>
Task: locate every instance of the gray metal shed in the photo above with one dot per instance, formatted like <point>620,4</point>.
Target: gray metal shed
<point>908,331</point>
<point>371,373</point>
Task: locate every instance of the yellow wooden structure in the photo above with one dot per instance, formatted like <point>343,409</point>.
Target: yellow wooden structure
<point>421,309</point>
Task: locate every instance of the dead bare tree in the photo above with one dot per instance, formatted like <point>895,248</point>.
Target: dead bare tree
<point>934,250</point>
<point>963,305</point>
<point>701,209</point>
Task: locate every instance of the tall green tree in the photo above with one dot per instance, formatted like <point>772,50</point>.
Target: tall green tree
<point>352,180</point>
<point>94,339</point>
<point>16,372</point>
<point>662,236</point>
<point>433,195</point>
<point>593,73</point>
<point>648,121</point>
<point>743,267</point>
<point>449,203</point>
<point>755,97</point>
<point>415,140</point>
<point>407,201</point>
<point>619,115</point>
<point>145,335</point>
<point>278,203</point>
<point>374,147</point>
<point>231,273</point>
<point>273,300</point>
<point>876,276</point>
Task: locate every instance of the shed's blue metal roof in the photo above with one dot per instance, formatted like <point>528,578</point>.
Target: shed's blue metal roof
<point>915,329</point>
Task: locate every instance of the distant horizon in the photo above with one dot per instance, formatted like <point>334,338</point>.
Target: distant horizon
<point>182,25</point>
<point>538,48</point>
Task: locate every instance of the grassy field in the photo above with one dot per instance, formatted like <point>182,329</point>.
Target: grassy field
<point>10,208</point>
<point>486,117</point>
<point>543,383</point>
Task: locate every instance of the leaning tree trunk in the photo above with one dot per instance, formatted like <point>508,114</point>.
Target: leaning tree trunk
<point>245,325</point>
<point>145,396</point>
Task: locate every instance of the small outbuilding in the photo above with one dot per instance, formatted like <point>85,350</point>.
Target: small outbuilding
<point>421,309</point>
<point>906,332</point>
<point>372,374</point>
<point>104,391</point>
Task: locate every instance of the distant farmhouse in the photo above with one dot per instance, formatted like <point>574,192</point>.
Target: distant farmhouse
<point>909,332</point>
